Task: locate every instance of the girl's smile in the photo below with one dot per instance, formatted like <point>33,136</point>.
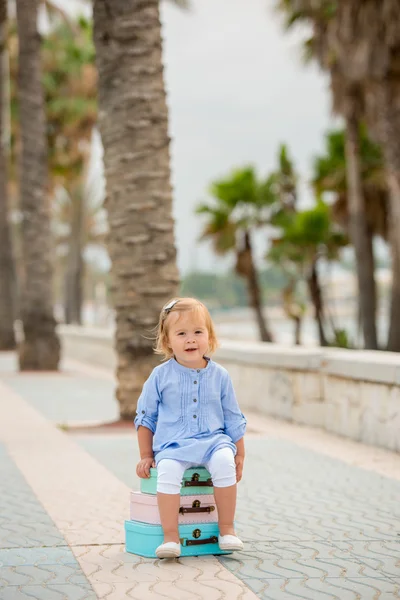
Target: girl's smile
<point>188,338</point>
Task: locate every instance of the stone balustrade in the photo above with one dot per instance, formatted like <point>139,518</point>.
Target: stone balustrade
<point>352,393</point>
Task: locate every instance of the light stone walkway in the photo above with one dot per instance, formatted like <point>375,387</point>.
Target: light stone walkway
<point>87,505</point>
<point>320,516</point>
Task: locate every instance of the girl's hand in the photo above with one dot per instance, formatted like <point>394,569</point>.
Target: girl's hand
<point>143,467</point>
<point>239,461</point>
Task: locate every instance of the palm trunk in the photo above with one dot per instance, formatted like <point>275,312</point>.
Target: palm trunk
<point>394,326</point>
<point>389,132</point>
<point>297,331</point>
<point>74,268</point>
<point>245,267</point>
<point>40,348</point>
<point>359,235</point>
<point>314,288</point>
<point>253,288</point>
<point>291,310</point>
<point>7,274</point>
<point>74,289</point>
<point>134,129</point>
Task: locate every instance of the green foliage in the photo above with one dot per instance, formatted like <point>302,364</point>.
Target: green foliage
<point>306,236</point>
<point>330,169</point>
<point>330,177</point>
<point>219,227</point>
<point>228,290</point>
<point>70,83</point>
<point>70,87</point>
<point>300,11</point>
<point>341,339</point>
<point>240,202</point>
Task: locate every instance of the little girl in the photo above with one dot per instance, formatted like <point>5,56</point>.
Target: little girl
<point>188,404</point>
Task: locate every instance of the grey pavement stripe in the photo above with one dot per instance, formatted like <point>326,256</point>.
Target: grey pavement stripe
<point>66,398</point>
<point>34,556</point>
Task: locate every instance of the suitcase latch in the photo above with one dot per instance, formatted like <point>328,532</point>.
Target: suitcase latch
<point>196,542</point>
<point>195,481</point>
<point>196,508</point>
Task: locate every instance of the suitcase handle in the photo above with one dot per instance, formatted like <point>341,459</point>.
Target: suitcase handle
<point>211,540</point>
<point>196,483</point>
<point>196,509</point>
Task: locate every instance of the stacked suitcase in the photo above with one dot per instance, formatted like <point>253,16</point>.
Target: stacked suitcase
<point>198,517</point>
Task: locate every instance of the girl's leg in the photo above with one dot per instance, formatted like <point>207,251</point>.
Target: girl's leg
<point>223,473</point>
<point>169,481</point>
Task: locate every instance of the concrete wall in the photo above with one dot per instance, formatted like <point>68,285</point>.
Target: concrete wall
<point>352,393</point>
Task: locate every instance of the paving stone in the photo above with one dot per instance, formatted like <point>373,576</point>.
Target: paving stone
<point>41,575</point>
<point>332,588</point>
<point>52,592</point>
<point>31,564</point>
<point>292,550</point>
<point>350,589</point>
<point>66,397</point>
<point>36,556</point>
<point>314,527</point>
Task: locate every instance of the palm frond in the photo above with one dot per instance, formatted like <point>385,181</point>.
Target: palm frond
<point>185,4</point>
<point>56,13</point>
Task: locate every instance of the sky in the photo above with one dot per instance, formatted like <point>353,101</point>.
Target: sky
<point>237,88</point>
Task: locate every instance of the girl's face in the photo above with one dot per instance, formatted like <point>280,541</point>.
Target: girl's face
<point>188,338</point>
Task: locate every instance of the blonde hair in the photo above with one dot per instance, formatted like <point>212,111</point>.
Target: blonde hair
<point>180,305</point>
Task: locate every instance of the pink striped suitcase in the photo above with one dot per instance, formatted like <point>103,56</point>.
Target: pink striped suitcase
<point>193,509</point>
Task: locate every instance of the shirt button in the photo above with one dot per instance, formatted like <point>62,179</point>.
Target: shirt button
<point>142,412</point>
<point>194,416</point>
<point>194,399</point>
<point>194,382</point>
<point>198,370</point>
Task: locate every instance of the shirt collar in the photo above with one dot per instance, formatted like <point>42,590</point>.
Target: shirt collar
<point>183,369</point>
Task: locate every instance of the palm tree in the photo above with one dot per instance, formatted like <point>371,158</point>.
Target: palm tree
<point>78,223</point>
<point>348,99</point>
<point>290,261</point>
<point>7,281</point>
<point>70,82</point>
<point>306,237</point>
<point>330,175</point>
<point>241,204</point>
<point>40,348</point>
<point>133,122</point>
<point>366,39</point>
<point>70,86</point>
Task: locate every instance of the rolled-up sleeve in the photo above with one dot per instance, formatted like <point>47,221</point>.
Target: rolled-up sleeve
<point>235,421</point>
<point>147,408</point>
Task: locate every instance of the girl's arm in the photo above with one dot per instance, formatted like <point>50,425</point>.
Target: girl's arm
<point>235,421</point>
<point>239,459</point>
<point>145,441</point>
<point>146,422</point>
<point>240,447</point>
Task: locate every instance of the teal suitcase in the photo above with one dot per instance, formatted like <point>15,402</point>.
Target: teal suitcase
<point>195,481</point>
<point>196,539</point>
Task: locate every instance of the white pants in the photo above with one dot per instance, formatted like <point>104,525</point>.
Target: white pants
<point>221,467</point>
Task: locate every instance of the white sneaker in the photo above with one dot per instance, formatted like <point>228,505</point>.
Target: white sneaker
<point>230,542</point>
<point>169,550</point>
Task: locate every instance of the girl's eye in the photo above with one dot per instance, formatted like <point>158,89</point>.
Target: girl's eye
<point>199,332</point>
<point>181,333</point>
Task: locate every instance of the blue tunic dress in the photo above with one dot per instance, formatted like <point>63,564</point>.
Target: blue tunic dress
<point>192,412</point>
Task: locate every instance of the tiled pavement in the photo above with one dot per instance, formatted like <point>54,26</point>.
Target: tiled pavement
<point>315,525</point>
